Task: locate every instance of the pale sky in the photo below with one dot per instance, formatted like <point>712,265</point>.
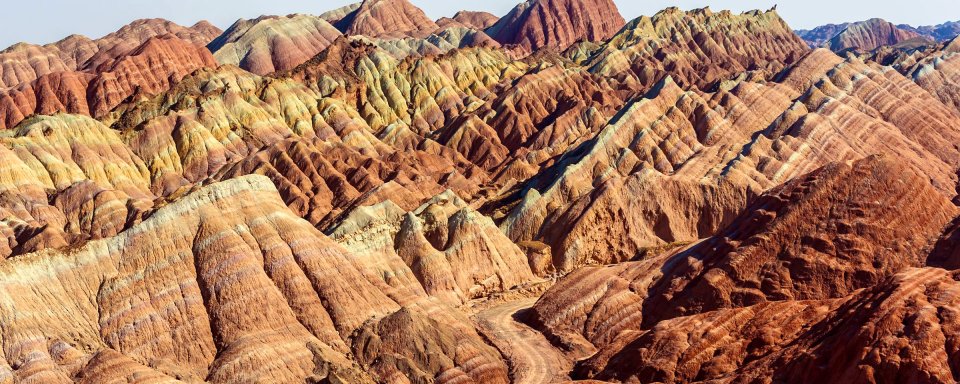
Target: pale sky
<point>45,21</point>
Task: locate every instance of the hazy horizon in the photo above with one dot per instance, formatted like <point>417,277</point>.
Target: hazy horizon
<point>96,18</point>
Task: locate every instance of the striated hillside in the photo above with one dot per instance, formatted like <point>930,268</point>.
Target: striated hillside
<point>371,196</point>
<point>535,24</point>
<point>869,35</point>
<point>23,63</point>
<point>273,43</point>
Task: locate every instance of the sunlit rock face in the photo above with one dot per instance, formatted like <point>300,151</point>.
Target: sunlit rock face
<point>536,24</point>
<point>368,195</point>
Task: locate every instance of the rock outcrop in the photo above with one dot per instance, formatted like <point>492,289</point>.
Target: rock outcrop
<point>387,18</point>
<point>869,35</point>
<point>470,19</point>
<point>273,43</point>
<point>841,340</point>
<point>145,71</point>
<point>536,24</point>
<point>23,63</point>
<point>788,263</point>
<point>940,32</point>
<point>694,197</point>
<point>698,47</point>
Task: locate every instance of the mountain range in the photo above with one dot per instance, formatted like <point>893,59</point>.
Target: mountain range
<point>552,195</point>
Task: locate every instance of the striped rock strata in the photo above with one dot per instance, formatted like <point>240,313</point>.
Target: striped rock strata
<point>819,237</point>
<point>23,63</point>
<point>536,24</point>
<point>212,255</point>
<point>676,166</point>
<point>147,70</point>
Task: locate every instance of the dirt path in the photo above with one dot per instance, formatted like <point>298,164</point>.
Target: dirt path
<point>533,360</point>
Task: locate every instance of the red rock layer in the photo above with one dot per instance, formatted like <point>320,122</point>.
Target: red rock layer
<point>23,63</point>
<point>387,18</point>
<point>869,35</point>
<point>821,236</point>
<point>537,24</point>
<point>845,340</point>
<point>664,171</point>
<point>147,70</point>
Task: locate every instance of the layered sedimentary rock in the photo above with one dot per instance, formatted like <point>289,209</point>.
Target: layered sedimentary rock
<point>386,18</point>
<point>536,24</point>
<point>273,43</point>
<point>147,70</point>
<point>869,35</point>
<point>935,68</point>
<point>239,228</point>
<point>842,340</point>
<point>677,165</point>
<point>455,252</point>
<point>939,32</point>
<point>469,19</point>
<point>697,47</point>
<point>133,35</point>
<point>393,201</point>
<point>23,63</point>
<point>821,236</point>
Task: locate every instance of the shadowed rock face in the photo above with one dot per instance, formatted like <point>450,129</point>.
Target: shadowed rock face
<point>816,37</point>
<point>384,202</point>
<point>803,341</point>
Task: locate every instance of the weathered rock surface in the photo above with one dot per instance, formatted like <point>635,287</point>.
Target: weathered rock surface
<point>387,18</point>
<point>201,245</point>
<point>149,69</point>
<point>786,267</point>
<point>935,68</point>
<point>841,340</point>
<point>470,19</point>
<point>940,32</point>
<point>273,43</point>
<point>23,63</point>
<point>698,47</point>
<point>536,24</point>
<point>391,202</point>
<point>664,171</point>
<point>869,35</point>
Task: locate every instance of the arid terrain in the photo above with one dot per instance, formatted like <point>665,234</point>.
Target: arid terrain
<point>556,194</point>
